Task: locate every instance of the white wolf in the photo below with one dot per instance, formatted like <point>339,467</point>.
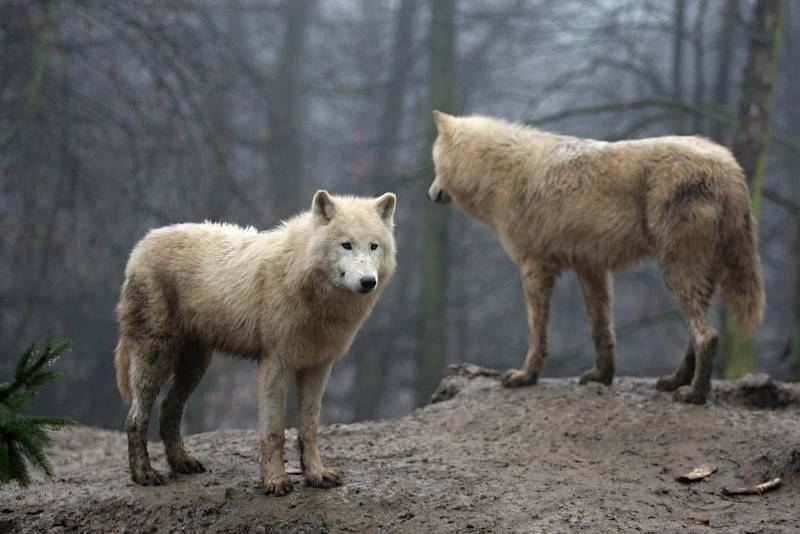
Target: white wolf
<point>560,202</point>
<point>291,298</point>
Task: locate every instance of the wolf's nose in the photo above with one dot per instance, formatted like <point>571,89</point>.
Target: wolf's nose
<point>368,282</point>
<point>433,193</point>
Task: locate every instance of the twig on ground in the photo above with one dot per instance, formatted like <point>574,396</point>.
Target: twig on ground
<point>472,370</point>
<point>758,489</point>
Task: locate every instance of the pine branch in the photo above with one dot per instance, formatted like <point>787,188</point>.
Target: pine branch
<point>24,438</point>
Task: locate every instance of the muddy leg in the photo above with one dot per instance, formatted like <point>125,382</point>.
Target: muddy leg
<point>692,292</point>
<point>682,376</point>
<point>691,283</point>
<point>310,388</point>
<point>538,280</point>
<point>596,286</point>
<point>190,367</point>
<point>148,372</point>
<point>705,340</point>
<point>273,387</point>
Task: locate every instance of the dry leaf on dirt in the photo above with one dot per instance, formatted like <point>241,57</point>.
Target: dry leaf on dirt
<point>698,473</point>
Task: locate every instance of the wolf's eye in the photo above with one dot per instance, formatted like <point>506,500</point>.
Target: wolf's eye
<point>373,246</point>
<point>347,245</point>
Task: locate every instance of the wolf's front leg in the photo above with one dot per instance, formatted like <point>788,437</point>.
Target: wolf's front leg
<point>310,388</point>
<point>538,280</point>
<point>272,390</point>
<point>596,286</point>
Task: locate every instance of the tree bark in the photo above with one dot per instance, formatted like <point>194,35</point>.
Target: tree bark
<point>795,344</point>
<point>751,142</point>
<point>370,372</point>
<point>677,63</point>
<point>725,46</point>
<point>286,136</point>
<point>699,70</point>
<point>434,268</point>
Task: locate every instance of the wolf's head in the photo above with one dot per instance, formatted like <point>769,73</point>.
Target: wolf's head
<point>442,157</point>
<point>353,240</point>
<point>470,154</point>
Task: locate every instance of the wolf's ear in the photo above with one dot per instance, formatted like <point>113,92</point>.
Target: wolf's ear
<point>385,205</point>
<point>444,122</point>
<point>322,207</point>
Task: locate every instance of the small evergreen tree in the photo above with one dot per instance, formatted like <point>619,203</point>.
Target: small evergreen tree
<point>23,438</point>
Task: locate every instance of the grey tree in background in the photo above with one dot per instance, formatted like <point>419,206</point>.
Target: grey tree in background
<point>435,239</point>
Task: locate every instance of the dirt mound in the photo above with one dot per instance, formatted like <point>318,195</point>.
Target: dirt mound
<point>759,392</point>
<point>556,457</point>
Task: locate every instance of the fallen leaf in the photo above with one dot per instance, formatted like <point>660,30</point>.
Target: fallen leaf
<point>698,473</point>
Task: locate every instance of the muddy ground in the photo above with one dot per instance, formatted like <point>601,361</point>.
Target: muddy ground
<point>556,457</point>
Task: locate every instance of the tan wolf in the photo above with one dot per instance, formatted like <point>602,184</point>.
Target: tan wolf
<point>291,298</point>
<point>559,202</point>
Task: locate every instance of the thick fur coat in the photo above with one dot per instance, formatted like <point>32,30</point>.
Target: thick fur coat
<point>561,202</point>
<point>291,299</point>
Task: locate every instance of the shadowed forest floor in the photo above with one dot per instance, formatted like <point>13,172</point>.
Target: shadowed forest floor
<point>556,457</point>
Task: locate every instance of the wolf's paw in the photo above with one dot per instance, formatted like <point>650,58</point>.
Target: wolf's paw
<point>669,383</point>
<point>515,378</point>
<point>596,375</point>
<point>187,464</point>
<point>688,395</point>
<point>278,486</point>
<point>147,476</point>
<point>326,478</point>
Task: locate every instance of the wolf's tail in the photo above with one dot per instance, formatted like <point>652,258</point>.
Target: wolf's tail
<point>122,361</point>
<point>742,282</point>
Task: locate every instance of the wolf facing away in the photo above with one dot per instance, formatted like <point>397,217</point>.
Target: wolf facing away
<point>560,202</point>
<point>291,298</point>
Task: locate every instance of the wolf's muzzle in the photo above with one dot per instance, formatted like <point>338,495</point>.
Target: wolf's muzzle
<point>438,195</point>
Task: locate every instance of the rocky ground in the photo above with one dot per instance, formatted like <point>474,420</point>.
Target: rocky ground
<point>556,457</point>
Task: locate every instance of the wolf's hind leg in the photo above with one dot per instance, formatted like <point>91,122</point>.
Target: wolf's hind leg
<point>310,388</point>
<point>538,280</point>
<point>596,287</point>
<point>148,371</point>
<point>704,338</point>
<point>682,376</point>
<point>691,278</point>
<point>190,366</point>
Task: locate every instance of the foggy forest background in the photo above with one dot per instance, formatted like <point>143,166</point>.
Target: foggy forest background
<point>121,116</point>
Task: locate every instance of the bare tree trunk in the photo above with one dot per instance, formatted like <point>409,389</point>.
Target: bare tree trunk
<point>699,70</point>
<point>392,111</point>
<point>220,139</point>
<point>434,269</point>
<point>725,47</point>
<point>286,136</point>
<point>795,344</point>
<point>677,63</point>
<point>285,140</point>
<point>370,374</point>
<point>751,142</point>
